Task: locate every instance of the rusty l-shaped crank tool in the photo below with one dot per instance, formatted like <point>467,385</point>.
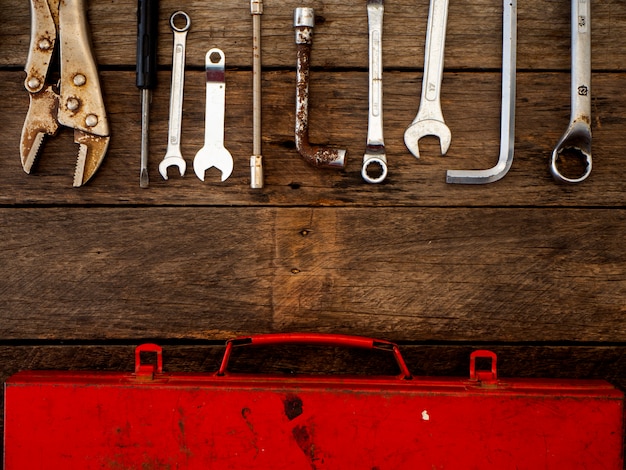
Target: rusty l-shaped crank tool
<point>304,21</point>
<point>507,117</point>
<point>76,101</point>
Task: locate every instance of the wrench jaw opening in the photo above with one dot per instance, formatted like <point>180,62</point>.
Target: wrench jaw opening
<point>172,160</point>
<point>430,127</point>
<point>573,154</point>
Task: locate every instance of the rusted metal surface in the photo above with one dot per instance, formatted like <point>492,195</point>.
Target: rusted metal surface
<point>319,156</point>
<point>154,419</point>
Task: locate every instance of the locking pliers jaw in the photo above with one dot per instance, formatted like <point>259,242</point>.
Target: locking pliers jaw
<point>76,100</point>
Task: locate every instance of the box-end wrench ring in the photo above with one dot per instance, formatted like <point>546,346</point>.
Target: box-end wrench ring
<point>576,141</point>
<point>374,169</point>
<point>507,114</point>
<point>173,155</point>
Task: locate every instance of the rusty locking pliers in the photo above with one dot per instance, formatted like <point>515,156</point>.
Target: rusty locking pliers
<point>75,101</point>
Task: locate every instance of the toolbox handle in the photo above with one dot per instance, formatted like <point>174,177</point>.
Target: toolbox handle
<point>323,339</point>
<point>148,370</point>
<point>485,376</point>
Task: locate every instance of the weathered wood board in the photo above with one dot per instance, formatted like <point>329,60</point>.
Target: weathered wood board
<point>532,269</point>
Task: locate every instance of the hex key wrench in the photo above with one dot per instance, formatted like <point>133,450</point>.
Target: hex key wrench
<point>507,118</point>
<point>576,141</point>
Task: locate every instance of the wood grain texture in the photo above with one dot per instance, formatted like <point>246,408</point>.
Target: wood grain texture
<point>531,269</point>
<point>473,40</point>
<point>212,273</point>
<point>471,103</point>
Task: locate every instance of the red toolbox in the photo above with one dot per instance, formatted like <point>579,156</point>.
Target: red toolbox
<point>150,419</point>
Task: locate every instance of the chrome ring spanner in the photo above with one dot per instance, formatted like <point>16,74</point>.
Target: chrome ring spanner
<point>576,142</point>
<point>173,155</point>
<point>429,119</point>
<point>374,168</point>
<point>507,113</point>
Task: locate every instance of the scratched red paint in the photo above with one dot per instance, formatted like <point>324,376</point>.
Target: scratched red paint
<point>186,421</point>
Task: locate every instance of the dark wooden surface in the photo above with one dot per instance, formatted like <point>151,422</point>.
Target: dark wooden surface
<point>532,269</point>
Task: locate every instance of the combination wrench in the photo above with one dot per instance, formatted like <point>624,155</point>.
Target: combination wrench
<point>213,153</point>
<point>576,141</point>
<point>429,119</point>
<point>173,156</point>
<point>507,114</point>
<point>374,168</point>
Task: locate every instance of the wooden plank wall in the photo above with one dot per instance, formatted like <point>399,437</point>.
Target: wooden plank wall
<point>532,269</point>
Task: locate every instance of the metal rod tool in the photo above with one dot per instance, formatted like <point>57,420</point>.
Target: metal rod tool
<point>304,21</point>
<point>374,169</point>
<point>576,141</point>
<point>147,36</point>
<point>256,160</point>
<point>507,117</point>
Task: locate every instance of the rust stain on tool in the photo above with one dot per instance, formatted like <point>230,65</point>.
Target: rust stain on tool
<point>304,21</point>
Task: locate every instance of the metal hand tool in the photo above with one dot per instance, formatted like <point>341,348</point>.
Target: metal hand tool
<point>304,21</point>
<point>374,169</point>
<point>173,155</point>
<point>214,154</point>
<point>147,38</point>
<point>576,142</point>
<point>256,160</point>
<point>429,118</point>
<point>76,101</point>
<point>507,118</point>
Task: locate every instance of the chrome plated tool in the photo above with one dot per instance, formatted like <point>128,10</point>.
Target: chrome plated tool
<point>507,118</point>
<point>256,160</point>
<point>374,169</point>
<point>576,141</point>
<point>214,154</point>
<point>75,101</point>
<point>173,155</point>
<point>429,118</point>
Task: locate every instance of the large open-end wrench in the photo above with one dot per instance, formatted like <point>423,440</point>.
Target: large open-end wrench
<point>576,141</point>
<point>429,119</point>
<point>374,168</point>
<point>507,116</point>
<point>173,155</point>
<point>214,154</point>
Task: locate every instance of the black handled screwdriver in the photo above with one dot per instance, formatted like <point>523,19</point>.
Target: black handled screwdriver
<point>147,37</point>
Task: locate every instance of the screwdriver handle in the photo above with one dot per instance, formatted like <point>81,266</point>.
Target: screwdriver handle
<point>147,37</point>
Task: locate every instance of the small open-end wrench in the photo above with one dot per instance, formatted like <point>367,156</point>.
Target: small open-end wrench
<point>507,113</point>
<point>172,154</point>
<point>576,141</point>
<point>374,168</point>
<point>214,154</point>
<point>429,119</point>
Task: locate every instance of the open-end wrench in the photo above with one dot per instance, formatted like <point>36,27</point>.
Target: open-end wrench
<point>374,168</point>
<point>507,116</point>
<point>429,119</point>
<point>214,154</point>
<point>172,154</point>
<point>576,141</point>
